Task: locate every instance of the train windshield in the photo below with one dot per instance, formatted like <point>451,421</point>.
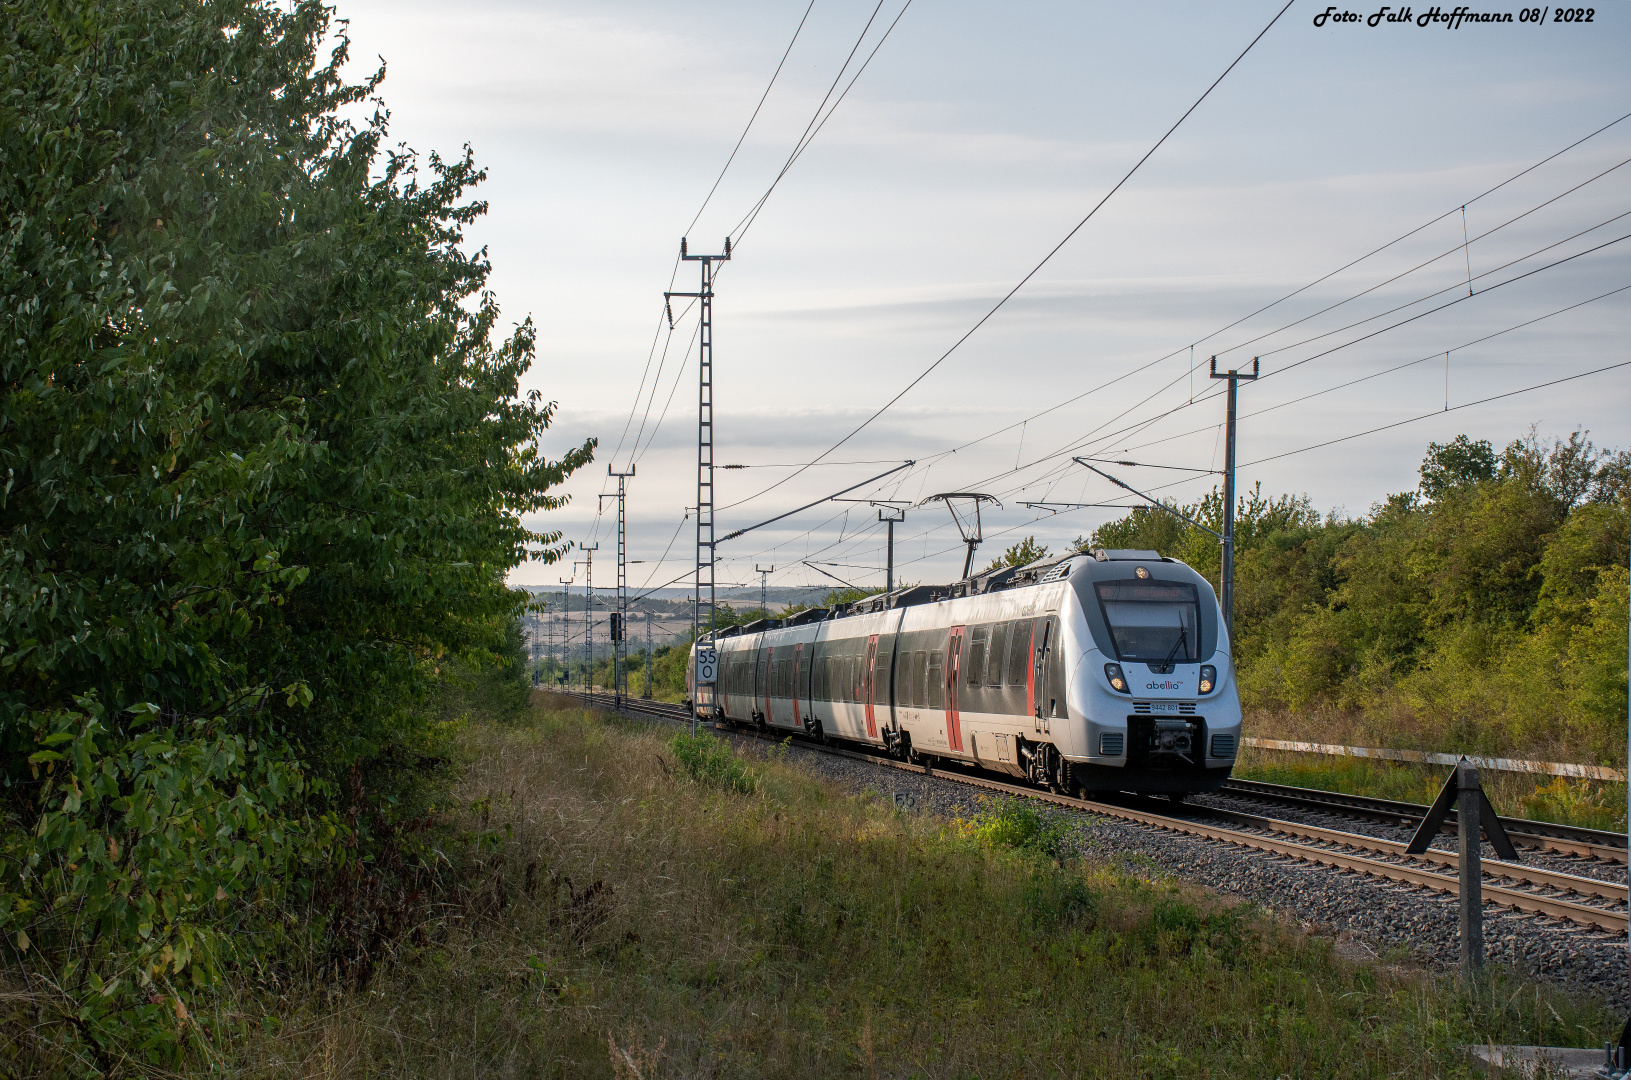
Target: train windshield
<point>1152,622</point>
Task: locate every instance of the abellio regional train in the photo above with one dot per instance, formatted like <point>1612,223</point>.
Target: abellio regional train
<point>1101,671</point>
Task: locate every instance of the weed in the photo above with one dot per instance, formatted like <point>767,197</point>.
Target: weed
<point>1017,824</point>
<point>709,761</point>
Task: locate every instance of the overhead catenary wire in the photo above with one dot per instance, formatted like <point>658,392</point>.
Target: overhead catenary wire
<point>1496,187</point>
<point>1207,397</point>
<point>1438,412</point>
<point>753,214</point>
<point>932,458</point>
<point>1083,442</point>
<point>1038,267</point>
<point>762,98</point>
<point>1390,370</point>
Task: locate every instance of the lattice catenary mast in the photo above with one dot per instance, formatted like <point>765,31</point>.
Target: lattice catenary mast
<point>702,610</point>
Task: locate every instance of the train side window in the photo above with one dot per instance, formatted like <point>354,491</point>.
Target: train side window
<point>976,654</point>
<point>880,676</point>
<point>996,653</point>
<point>1019,653</point>
<point>934,682</point>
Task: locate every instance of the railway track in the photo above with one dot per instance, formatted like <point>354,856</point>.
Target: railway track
<point>1539,835</point>
<point>1584,901</point>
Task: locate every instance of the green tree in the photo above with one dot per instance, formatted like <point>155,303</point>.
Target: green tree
<point>1026,551</point>
<point>264,473</point>
<point>1459,463</point>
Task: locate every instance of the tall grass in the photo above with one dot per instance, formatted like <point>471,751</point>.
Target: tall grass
<point>654,910</point>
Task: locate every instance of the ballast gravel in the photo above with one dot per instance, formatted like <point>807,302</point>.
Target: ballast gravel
<point>1389,921</point>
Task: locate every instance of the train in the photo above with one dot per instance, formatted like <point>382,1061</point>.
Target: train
<point>1090,672</point>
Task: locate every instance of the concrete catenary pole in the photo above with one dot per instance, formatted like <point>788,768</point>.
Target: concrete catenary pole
<point>1472,870</point>
<point>1227,578</point>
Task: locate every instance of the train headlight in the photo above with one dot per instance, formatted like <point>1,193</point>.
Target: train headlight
<point>1209,678</point>
<point>1118,681</point>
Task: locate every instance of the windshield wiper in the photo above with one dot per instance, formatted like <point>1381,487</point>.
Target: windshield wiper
<point>1182,632</point>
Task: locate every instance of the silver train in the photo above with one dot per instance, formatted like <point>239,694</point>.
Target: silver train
<point>1102,671</point>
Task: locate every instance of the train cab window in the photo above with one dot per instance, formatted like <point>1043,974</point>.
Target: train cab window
<point>1019,653</point>
<point>997,652</point>
<point>1152,622</point>
<point>976,654</point>
<point>934,682</point>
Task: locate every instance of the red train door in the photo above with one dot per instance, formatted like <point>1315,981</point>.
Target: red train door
<point>798,655</point>
<point>954,663</point>
<point>769,670</point>
<point>1030,675</point>
<point>869,679</point>
<point>1037,678</point>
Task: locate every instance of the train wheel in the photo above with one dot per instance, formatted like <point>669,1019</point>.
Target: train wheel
<point>1064,779</point>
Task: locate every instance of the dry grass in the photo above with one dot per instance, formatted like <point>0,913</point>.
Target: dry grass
<point>646,924</point>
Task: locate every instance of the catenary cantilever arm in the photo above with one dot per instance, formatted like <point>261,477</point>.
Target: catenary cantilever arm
<point>1146,498</point>
<point>818,502</point>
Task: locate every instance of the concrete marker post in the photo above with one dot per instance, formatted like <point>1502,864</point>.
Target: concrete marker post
<point>1472,871</point>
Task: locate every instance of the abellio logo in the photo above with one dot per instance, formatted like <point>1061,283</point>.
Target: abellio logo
<point>1170,684</point>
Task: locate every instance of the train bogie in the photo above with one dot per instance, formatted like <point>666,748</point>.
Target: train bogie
<point>1108,671</point>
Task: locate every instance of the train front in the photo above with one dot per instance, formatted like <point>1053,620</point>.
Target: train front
<point>1154,690</point>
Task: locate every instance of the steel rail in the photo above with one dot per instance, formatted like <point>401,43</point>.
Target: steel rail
<point>1565,839</point>
<point>1612,891</point>
<point>1608,920</point>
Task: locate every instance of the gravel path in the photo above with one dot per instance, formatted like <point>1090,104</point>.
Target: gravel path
<point>1395,922</point>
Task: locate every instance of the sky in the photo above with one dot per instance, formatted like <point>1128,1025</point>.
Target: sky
<point>1327,208</point>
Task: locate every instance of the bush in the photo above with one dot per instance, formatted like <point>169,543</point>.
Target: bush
<point>709,761</point>
<point>265,468</point>
<point>1018,825</point>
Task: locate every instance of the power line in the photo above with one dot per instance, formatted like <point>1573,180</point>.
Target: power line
<point>1388,371</point>
<point>1296,292</point>
<point>746,223</point>
<point>1084,441</point>
<point>1439,412</point>
<point>752,118</point>
<point>862,537</point>
<point>1045,259</point>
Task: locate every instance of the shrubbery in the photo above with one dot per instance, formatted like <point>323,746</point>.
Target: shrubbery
<point>1487,613</point>
<point>709,761</point>
<point>264,468</point>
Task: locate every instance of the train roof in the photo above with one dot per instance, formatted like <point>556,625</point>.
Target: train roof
<point>1048,568</point>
